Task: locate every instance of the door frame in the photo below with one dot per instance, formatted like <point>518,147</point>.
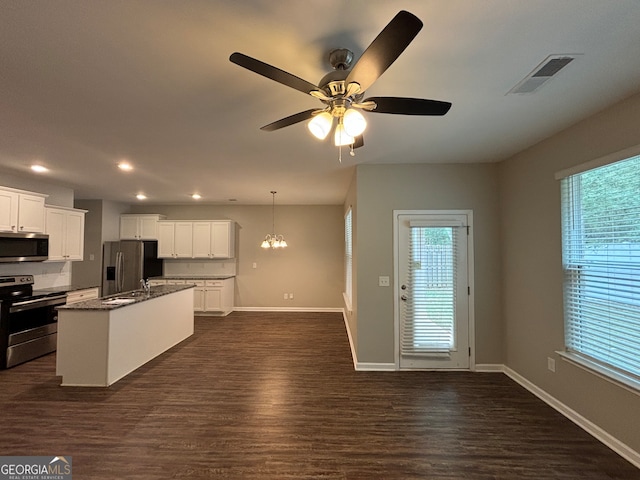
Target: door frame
<point>397,282</point>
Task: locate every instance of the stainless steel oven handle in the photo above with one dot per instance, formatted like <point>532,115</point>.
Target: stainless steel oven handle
<point>37,303</point>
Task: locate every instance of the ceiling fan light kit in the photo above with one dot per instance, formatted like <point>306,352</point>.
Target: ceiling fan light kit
<point>320,125</point>
<point>342,90</point>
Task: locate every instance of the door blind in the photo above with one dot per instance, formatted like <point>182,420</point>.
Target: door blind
<point>428,323</point>
<point>601,263</point>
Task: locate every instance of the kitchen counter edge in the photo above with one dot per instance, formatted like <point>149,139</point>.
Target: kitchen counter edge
<point>97,303</point>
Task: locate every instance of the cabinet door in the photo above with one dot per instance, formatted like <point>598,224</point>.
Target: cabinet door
<point>165,239</point>
<point>201,239</point>
<point>148,227</point>
<point>220,239</point>
<point>8,211</point>
<point>55,220</point>
<point>30,213</point>
<point>129,228</point>
<point>213,299</point>
<point>198,299</point>
<point>74,236</point>
<point>183,240</point>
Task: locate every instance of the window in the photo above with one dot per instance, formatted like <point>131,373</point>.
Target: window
<point>348,258</point>
<point>601,264</point>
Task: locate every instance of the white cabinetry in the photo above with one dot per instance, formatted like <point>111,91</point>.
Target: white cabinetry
<point>139,227</point>
<point>213,239</point>
<point>211,297</point>
<point>82,295</point>
<point>21,211</point>
<point>65,227</point>
<point>175,240</point>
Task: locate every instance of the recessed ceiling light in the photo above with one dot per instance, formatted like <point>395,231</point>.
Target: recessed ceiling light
<point>125,166</point>
<point>141,196</point>
<point>39,168</point>
<point>196,196</point>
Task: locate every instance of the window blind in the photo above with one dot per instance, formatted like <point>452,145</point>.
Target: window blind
<point>428,325</point>
<point>601,264</point>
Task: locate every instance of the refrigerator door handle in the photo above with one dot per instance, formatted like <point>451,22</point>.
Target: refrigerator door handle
<point>119,271</point>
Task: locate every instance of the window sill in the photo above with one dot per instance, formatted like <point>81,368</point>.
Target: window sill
<point>627,382</point>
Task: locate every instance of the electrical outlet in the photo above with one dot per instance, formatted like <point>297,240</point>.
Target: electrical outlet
<point>383,281</point>
<point>291,296</point>
<point>255,265</point>
<point>286,296</point>
<point>551,364</point>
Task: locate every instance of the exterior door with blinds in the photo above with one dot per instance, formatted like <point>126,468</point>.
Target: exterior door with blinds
<point>433,291</point>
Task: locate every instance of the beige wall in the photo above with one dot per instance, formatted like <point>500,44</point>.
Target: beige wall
<point>101,224</point>
<point>311,267</point>
<point>381,189</point>
<point>532,268</point>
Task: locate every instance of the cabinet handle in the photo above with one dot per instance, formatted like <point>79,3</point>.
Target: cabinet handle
<point>13,227</point>
<point>21,227</point>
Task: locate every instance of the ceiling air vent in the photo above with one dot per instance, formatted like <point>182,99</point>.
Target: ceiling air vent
<point>542,73</point>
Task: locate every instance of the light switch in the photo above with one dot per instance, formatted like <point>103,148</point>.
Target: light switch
<point>383,281</point>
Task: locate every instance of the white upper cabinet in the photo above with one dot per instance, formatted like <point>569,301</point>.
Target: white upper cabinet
<point>65,227</point>
<point>214,239</point>
<point>139,227</point>
<point>175,239</point>
<point>21,212</point>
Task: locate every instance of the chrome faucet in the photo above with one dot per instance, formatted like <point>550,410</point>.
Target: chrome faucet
<point>145,286</point>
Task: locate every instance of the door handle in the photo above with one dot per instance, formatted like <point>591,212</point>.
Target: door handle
<point>403,298</point>
<point>403,287</point>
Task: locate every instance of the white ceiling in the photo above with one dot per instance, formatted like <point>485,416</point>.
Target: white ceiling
<point>86,83</point>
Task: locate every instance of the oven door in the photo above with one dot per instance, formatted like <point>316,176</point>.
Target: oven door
<point>32,328</point>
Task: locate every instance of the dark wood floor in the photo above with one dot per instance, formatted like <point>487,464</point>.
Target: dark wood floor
<point>274,396</point>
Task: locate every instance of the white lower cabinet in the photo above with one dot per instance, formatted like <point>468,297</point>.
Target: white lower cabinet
<point>211,297</point>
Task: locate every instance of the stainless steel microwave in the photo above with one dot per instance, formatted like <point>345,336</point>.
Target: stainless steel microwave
<point>24,247</point>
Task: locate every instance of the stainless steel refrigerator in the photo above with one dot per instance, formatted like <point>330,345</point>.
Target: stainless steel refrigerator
<point>125,262</point>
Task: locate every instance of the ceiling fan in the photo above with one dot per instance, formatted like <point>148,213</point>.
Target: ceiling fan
<point>342,90</point>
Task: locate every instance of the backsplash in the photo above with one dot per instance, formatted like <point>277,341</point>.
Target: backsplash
<point>45,274</point>
<point>178,268</point>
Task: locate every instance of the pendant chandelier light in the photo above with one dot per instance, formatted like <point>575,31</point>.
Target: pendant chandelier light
<point>272,240</point>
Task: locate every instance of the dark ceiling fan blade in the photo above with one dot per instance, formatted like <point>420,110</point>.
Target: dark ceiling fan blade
<point>291,120</point>
<point>272,72</point>
<point>359,142</point>
<point>409,106</point>
<point>384,49</point>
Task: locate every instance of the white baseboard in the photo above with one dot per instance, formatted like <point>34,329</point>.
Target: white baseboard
<point>591,428</point>
<point>365,366</point>
<point>376,367</point>
<point>288,309</point>
<point>489,367</point>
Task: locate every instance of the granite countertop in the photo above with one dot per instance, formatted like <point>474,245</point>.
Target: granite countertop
<point>119,300</point>
<point>193,277</point>
<point>63,289</point>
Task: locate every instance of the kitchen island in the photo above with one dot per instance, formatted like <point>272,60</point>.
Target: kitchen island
<point>102,340</point>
